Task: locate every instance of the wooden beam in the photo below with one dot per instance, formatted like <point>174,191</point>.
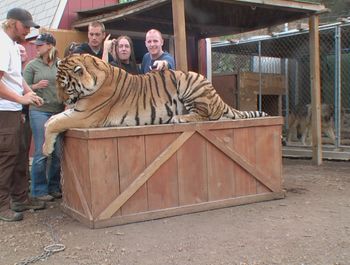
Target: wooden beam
<point>284,4</point>
<point>180,34</point>
<point>315,89</point>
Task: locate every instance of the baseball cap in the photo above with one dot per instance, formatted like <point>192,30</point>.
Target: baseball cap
<point>45,38</point>
<point>22,15</point>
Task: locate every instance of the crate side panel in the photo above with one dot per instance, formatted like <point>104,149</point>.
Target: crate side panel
<point>162,187</point>
<point>131,154</point>
<point>75,171</point>
<point>269,157</point>
<point>244,144</point>
<point>104,173</point>
<point>192,168</point>
<point>221,182</point>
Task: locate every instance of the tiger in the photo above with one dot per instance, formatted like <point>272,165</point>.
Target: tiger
<point>102,95</point>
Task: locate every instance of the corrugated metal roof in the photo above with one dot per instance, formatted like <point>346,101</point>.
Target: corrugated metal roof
<point>46,13</point>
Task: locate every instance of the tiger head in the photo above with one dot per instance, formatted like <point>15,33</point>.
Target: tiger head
<point>79,76</point>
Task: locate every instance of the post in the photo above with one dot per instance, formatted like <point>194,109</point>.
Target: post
<point>315,89</point>
<point>180,34</point>
<point>337,87</point>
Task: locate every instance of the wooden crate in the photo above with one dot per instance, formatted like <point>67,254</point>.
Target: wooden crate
<point>115,176</point>
<point>272,86</point>
<point>241,90</point>
<point>226,86</point>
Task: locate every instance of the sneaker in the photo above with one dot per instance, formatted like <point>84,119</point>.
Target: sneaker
<point>10,216</point>
<point>56,194</point>
<point>44,198</point>
<point>28,204</point>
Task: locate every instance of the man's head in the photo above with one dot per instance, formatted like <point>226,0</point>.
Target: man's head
<point>18,23</point>
<point>154,43</point>
<point>96,35</point>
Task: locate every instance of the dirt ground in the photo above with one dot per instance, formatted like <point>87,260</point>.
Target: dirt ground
<point>311,226</point>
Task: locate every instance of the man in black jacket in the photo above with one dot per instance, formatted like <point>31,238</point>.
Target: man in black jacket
<point>96,35</point>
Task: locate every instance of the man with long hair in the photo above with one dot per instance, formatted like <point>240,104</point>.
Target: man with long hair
<point>14,92</point>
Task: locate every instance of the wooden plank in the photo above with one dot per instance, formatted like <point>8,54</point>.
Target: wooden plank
<point>68,172</point>
<point>91,133</point>
<point>315,90</point>
<point>162,188</point>
<point>188,209</point>
<point>244,144</point>
<point>104,178</point>
<point>192,171</point>
<point>226,86</point>
<point>269,142</point>
<point>241,161</point>
<point>144,176</point>
<point>132,162</point>
<point>178,8</point>
<point>221,178</point>
<point>78,177</point>
<point>285,4</point>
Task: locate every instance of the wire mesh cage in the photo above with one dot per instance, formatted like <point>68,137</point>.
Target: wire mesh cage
<point>272,74</point>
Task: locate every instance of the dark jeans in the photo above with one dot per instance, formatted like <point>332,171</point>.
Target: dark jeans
<point>12,186</point>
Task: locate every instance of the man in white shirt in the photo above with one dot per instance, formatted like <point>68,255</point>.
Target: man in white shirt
<point>14,92</point>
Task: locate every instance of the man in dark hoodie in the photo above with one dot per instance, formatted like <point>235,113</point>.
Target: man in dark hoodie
<point>96,35</point>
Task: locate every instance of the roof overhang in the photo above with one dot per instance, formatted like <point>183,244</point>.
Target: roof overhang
<point>204,18</point>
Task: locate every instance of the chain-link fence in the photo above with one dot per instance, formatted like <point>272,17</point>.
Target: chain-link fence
<point>272,73</point>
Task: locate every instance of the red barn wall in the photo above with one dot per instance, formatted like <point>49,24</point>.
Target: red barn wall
<point>69,14</point>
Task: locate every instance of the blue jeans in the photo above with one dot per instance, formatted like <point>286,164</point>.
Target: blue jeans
<point>46,171</point>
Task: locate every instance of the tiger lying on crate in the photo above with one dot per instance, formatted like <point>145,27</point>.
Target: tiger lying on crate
<point>105,96</point>
<point>300,124</point>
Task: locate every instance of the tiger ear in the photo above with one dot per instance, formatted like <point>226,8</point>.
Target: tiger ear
<point>78,70</point>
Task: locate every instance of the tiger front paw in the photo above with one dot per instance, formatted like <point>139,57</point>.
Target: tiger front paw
<point>47,148</point>
<point>175,119</point>
<point>179,119</point>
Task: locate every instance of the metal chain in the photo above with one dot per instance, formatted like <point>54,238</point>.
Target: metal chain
<point>48,250</point>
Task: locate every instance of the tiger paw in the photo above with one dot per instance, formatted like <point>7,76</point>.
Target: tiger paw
<point>47,149</point>
<point>178,119</point>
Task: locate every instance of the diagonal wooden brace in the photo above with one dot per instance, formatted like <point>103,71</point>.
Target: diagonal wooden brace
<point>256,173</point>
<point>144,176</point>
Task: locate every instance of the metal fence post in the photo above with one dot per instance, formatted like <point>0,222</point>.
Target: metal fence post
<point>260,77</point>
<point>337,85</point>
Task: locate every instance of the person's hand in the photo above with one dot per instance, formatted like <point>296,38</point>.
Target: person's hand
<point>32,98</point>
<point>41,84</point>
<point>159,65</point>
<point>107,44</point>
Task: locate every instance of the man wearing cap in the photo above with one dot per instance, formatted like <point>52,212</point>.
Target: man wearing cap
<point>14,92</point>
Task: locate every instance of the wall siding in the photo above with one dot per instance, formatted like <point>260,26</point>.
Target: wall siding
<point>69,14</point>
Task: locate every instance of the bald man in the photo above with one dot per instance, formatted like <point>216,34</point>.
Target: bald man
<point>156,59</point>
